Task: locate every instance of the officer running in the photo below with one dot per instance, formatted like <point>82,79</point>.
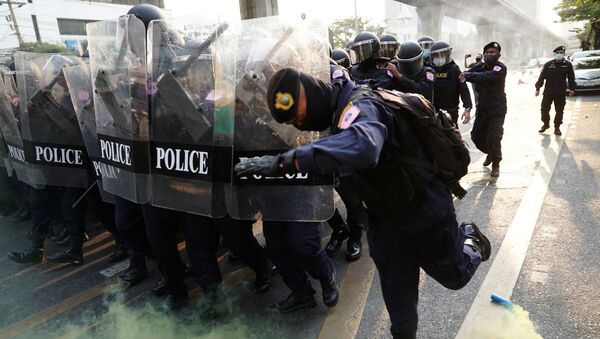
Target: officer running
<point>488,79</point>
<point>364,141</point>
<point>449,83</point>
<point>554,73</point>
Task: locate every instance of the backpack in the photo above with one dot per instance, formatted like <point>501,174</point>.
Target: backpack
<point>449,155</point>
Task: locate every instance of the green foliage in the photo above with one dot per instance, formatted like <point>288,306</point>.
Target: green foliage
<point>344,30</point>
<point>43,47</point>
<point>583,10</point>
<point>579,10</point>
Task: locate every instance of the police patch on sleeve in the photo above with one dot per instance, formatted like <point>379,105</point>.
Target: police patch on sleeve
<point>430,76</point>
<point>338,73</point>
<point>497,68</point>
<point>349,114</point>
<point>461,78</point>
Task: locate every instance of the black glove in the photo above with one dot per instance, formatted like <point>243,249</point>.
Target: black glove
<point>267,165</point>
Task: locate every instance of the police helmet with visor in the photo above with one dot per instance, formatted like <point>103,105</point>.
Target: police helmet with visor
<point>410,58</point>
<point>389,46</point>
<point>441,53</point>
<point>365,46</point>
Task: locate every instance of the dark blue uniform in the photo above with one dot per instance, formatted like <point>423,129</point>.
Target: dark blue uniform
<point>488,128</point>
<point>450,82</point>
<point>555,73</point>
<point>427,236</point>
<point>421,83</point>
<point>366,71</point>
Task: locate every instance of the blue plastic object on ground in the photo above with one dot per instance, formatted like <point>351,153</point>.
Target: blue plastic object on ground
<point>501,300</point>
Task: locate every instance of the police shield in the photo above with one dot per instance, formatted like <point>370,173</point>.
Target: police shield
<point>267,45</point>
<point>192,83</point>
<point>52,141</point>
<point>11,127</point>
<point>80,88</point>
<point>118,75</point>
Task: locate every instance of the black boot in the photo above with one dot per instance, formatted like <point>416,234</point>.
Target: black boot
<point>487,161</point>
<point>495,169</point>
<point>160,287</point>
<point>70,256</point>
<point>27,256</point>
<point>331,294</point>
<point>175,302</point>
<point>544,128</point>
<point>120,252</point>
<point>557,130</point>
<point>353,250</point>
<point>215,303</point>
<point>135,274</point>
<point>336,240</point>
<point>262,283</point>
<point>476,239</point>
<point>294,303</point>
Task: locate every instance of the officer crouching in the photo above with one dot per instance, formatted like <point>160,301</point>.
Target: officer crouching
<point>413,223</point>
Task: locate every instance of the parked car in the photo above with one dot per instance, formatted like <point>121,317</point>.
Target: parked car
<point>585,54</point>
<point>587,73</point>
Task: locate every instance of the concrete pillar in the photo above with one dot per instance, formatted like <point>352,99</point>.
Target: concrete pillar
<point>431,20</point>
<point>488,33</point>
<point>250,9</point>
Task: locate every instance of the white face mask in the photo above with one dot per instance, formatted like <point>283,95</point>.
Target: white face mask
<point>559,56</point>
<point>439,62</point>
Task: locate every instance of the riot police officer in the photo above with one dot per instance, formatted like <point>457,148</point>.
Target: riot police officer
<point>449,83</point>
<point>555,72</point>
<point>367,62</point>
<point>425,42</point>
<point>488,79</point>
<point>409,73</point>
<point>423,234</point>
<point>389,46</point>
<point>341,57</point>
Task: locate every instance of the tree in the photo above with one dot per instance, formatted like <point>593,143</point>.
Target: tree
<point>43,47</point>
<point>344,30</point>
<point>583,10</point>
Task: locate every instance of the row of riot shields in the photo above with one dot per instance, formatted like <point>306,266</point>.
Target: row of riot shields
<point>161,114</point>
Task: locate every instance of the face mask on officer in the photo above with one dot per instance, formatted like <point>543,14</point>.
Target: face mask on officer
<point>559,56</point>
<point>426,54</point>
<point>301,100</point>
<point>439,62</point>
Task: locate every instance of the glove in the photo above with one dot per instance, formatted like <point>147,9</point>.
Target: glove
<point>268,165</point>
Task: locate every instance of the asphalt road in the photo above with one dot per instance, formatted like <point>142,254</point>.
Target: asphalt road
<point>541,216</point>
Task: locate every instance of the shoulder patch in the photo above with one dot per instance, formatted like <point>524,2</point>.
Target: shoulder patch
<point>430,76</point>
<point>349,114</point>
<point>497,68</point>
<point>338,73</point>
<point>461,78</point>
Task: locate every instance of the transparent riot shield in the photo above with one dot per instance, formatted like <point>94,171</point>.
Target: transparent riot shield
<point>52,141</point>
<point>80,87</point>
<point>267,45</point>
<point>192,81</point>
<point>11,127</point>
<point>118,75</point>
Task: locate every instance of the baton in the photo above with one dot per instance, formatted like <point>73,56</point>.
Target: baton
<point>211,38</point>
<point>85,194</point>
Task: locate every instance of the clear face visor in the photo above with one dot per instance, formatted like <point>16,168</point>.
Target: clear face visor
<point>389,49</point>
<point>441,57</point>
<point>411,67</point>
<point>361,51</point>
<point>426,44</point>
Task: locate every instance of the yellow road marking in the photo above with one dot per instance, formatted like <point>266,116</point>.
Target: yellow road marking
<point>343,320</point>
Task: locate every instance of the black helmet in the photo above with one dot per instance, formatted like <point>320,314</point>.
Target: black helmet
<point>441,53</point>
<point>86,54</point>
<point>364,47</point>
<point>341,57</point>
<point>146,13</point>
<point>425,42</point>
<point>410,58</point>
<point>389,46</point>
